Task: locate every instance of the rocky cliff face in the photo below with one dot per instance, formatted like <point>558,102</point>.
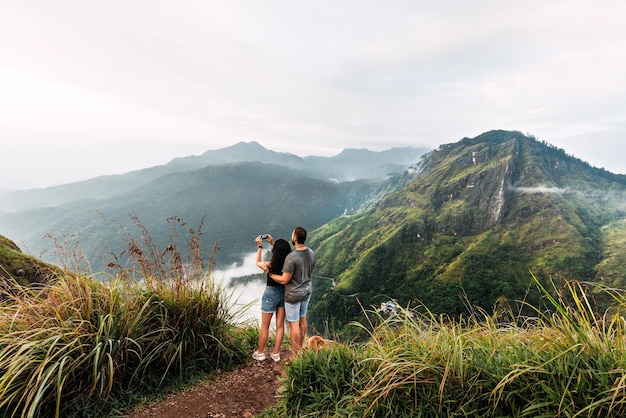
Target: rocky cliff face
<point>481,175</point>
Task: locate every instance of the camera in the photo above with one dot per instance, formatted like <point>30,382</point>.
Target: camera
<point>264,236</point>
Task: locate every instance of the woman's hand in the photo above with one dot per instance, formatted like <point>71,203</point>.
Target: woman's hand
<point>270,239</point>
<point>259,241</point>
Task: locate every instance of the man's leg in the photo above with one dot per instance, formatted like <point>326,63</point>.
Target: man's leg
<point>295,337</point>
<point>292,312</point>
<point>304,305</point>
<point>302,325</point>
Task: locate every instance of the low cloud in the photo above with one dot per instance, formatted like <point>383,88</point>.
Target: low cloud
<point>245,297</point>
<point>538,190</point>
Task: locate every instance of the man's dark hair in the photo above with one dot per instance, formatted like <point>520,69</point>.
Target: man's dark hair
<point>300,234</point>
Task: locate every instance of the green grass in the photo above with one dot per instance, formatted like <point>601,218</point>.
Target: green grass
<point>570,362</point>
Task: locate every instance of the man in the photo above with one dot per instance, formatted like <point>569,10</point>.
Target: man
<point>296,277</point>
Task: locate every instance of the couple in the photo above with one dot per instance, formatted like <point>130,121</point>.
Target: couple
<point>288,291</point>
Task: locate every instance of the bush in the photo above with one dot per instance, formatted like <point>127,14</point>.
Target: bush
<point>319,381</point>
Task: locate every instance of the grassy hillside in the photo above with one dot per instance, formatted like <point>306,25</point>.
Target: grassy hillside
<point>22,268</point>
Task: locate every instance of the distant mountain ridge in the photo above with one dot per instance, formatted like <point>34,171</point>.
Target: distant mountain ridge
<point>482,214</point>
<point>350,164</point>
<point>343,167</point>
<point>239,152</point>
<point>240,191</point>
<point>355,164</point>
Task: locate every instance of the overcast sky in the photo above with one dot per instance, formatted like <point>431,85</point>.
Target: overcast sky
<point>91,88</point>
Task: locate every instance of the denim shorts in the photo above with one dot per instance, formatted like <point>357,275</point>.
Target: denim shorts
<point>273,298</point>
<point>295,311</point>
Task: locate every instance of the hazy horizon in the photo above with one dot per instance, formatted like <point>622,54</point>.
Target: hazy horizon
<point>98,89</point>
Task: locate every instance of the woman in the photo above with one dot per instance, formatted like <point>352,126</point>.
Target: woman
<point>273,296</point>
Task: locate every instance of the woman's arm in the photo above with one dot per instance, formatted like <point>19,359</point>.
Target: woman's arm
<point>259,255</point>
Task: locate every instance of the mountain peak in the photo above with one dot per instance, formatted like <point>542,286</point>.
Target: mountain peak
<point>242,146</point>
<point>481,214</point>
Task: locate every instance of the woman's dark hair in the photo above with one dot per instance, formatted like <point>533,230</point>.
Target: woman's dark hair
<point>279,251</point>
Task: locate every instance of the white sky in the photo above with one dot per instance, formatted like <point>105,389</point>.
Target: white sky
<point>92,88</point>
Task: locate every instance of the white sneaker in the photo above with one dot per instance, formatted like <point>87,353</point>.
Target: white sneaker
<point>276,357</point>
<point>258,356</point>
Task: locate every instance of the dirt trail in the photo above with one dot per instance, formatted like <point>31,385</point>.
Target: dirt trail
<point>243,392</point>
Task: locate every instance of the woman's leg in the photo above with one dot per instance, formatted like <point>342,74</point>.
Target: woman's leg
<point>266,319</point>
<point>280,329</point>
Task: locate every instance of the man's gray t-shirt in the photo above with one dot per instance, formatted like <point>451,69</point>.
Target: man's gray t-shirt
<point>300,264</point>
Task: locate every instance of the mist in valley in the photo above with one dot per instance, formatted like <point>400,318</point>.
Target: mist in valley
<point>245,297</point>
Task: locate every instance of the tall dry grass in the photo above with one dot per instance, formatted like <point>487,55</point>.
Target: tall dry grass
<point>568,361</point>
<point>80,344</point>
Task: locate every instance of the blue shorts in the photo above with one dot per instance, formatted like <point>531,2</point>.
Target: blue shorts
<point>295,311</point>
<point>273,298</point>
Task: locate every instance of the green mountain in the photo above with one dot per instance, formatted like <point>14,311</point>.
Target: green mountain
<point>468,231</point>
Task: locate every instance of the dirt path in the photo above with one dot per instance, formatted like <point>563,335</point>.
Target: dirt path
<point>243,392</point>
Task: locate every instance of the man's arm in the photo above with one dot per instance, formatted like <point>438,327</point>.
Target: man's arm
<point>281,278</point>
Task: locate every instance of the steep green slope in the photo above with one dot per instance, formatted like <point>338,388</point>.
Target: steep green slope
<point>611,271</point>
<point>15,265</point>
<point>467,231</point>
